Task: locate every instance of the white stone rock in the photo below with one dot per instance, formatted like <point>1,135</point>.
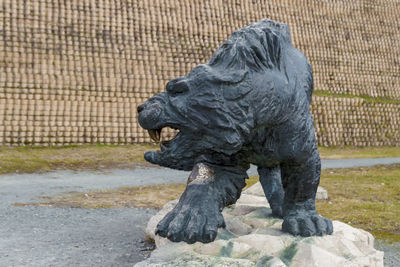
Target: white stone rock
<point>271,244</point>
<point>236,226</point>
<point>321,193</point>
<point>254,238</point>
<point>313,256</point>
<point>252,200</point>
<point>257,190</point>
<point>152,224</point>
<point>276,262</point>
<point>191,259</point>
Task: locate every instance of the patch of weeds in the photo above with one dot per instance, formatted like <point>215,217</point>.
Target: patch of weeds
<point>151,196</point>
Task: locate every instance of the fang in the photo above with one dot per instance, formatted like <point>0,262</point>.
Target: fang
<point>155,135</point>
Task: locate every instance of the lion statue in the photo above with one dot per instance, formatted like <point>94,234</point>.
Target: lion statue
<point>250,104</point>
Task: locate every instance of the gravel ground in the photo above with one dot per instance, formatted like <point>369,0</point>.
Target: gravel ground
<point>40,236</point>
<point>392,253</point>
<point>46,236</point>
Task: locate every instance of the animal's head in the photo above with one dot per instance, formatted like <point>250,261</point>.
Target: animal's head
<point>210,106</point>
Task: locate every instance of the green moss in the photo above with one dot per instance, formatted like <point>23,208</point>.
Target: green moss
<point>250,254</point>
<point>309,240</point>
<point>288,254</point>
<point>263,262</point>
<point>225,234</point>
<point>226,251</point>
<point>260,213</point>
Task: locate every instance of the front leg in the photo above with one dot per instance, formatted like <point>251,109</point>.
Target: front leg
<point>197,216</point>
<point>300,182</point>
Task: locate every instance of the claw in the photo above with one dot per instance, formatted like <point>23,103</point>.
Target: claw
<point>211,237</point>
<point>191,239</point>
<point>169,235</point>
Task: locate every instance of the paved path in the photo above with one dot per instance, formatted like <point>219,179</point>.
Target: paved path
<point>45,236</point>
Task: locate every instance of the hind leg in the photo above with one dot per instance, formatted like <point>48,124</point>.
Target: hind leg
<point>197,216</point>
<point>300,181</point>
<point>270,179</point>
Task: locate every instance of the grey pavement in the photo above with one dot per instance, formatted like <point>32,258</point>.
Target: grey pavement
<point>349,163</point>
<point>46,236</point>
<point>25,187</point>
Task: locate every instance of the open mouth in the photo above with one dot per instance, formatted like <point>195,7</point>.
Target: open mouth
<point>163,135</point>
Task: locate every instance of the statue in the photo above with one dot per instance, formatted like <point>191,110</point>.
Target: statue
<point>250,104</point>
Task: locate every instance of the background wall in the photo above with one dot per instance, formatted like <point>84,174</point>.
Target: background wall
<point>74,71</point>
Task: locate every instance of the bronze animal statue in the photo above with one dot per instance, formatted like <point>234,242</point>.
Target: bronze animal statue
<point>250,104</point>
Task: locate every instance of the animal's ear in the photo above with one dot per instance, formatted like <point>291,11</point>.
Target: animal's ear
<point>229,75</point>
<point>233,82</point>
<point>236,91</point>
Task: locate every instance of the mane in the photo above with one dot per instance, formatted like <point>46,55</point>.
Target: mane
<point>257,46</point>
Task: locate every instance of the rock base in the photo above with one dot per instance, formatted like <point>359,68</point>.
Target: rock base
<point>253,237</point>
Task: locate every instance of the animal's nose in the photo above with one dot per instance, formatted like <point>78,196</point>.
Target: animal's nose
<point>140,108</point>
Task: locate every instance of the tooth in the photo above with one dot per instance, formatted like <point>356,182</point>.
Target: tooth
<point>155,135</point>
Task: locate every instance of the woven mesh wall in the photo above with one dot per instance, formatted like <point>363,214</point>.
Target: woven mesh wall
<point>74,71</point>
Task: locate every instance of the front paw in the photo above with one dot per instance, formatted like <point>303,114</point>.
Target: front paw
<point>193,219</point>
<point>307,223</point>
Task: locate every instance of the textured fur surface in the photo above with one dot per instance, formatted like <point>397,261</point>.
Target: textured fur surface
<point>250,104</point>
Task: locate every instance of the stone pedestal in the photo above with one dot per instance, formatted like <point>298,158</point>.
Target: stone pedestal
<point>253,237</point>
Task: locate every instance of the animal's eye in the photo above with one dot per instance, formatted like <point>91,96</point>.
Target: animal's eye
<point>177,86</point>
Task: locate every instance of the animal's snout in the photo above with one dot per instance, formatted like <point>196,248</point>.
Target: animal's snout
<point>149,115</point>
<point>140,108</point>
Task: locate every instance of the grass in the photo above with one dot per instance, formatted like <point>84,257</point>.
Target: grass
<point>82,157</point>
<point>350,152</point>
<point>367,198</point>
<point>94,157</point>
<point>366,98</point>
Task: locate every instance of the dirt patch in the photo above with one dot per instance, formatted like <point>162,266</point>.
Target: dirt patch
<point>150,196</point>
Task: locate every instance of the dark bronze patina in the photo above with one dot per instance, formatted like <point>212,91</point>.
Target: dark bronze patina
<point>250,104</point>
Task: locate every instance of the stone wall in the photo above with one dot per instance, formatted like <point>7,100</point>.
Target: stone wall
<point>74,71</point>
